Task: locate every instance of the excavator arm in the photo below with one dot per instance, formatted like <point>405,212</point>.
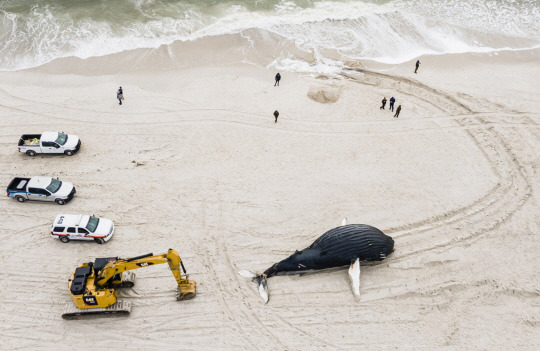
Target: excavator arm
<point>186,287</point>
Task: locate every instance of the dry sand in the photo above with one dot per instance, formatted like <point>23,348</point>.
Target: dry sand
<point>194,161</point>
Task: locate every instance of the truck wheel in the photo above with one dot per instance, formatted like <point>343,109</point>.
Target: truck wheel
<point>20,198</point>
<point>99,240</point>
<point>31,153</point>
<point>60,201</point>
<point>69,153</point>
<point>64,239</point>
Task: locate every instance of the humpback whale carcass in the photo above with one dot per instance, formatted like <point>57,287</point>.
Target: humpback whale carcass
<point>347,245</point>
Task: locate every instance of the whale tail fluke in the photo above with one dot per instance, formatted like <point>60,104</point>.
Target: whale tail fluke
<point>260,279</point>
<point>247,274</point>
<point>344,221</point>
<point>263,287</point>
<point>354,275</point>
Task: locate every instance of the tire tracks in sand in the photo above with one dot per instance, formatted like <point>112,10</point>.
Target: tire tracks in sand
<point>513,187</point>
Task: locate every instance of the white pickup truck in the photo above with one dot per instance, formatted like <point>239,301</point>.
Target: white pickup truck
<point>49,143</point>
<point>67,227</point>
<point>41,189</point>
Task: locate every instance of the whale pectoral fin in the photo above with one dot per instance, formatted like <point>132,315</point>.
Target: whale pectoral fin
<point>344,221</point>
<point>354,275</point>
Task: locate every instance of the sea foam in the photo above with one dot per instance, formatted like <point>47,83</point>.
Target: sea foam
<point>385,31</point>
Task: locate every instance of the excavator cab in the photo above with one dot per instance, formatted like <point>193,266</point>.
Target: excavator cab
<point>119,280</point>
<point>100,263</point>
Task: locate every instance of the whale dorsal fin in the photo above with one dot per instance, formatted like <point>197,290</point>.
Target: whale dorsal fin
<point>344,221</point>
<point>354,275</point>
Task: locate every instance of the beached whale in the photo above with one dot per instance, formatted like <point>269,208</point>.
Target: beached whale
<point>347,245</point>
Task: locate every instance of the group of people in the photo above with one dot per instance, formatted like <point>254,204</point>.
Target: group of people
<point>120,97</point>
<point>393,100</point>
<point>391,106</point>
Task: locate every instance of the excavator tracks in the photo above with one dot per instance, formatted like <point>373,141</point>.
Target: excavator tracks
<point>119,309</point>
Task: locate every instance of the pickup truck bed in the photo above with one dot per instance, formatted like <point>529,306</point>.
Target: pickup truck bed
<point>18,184</point>
<point>29,140</point>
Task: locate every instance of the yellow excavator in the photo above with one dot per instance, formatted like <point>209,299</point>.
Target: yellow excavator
<point>94,285</point>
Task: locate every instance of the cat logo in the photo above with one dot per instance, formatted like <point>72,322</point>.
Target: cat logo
<point>90,300</point>
<point>144,264</point>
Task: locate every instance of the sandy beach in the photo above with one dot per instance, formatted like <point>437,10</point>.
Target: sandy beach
<point>194,161</point>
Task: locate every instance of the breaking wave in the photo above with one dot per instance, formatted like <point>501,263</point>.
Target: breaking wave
<point>389,31</point>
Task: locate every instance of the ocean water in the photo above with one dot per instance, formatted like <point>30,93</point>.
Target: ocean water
<point>329,32</point>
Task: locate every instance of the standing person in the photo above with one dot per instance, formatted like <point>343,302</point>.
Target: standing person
<point>383,103</point>
<point>398,110</point>
<point>278,78</point>
<point>276,114</point>
<point>391,107</point>
<point>417,65</point>
<point>120,95</point>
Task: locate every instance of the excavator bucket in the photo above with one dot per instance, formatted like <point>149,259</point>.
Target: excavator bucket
<point>186,290</point>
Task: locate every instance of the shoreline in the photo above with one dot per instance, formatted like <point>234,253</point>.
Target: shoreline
<point>253,46</point>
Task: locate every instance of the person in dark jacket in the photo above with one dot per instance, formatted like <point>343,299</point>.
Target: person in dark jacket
<point>383,103</point>
<point>391,107</point>
<point>120,95</point>
<point>276,114</point>
<point>417,65</point>
<point>278,78</point>
<point>398,110</point>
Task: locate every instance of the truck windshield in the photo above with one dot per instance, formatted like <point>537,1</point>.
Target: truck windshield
<point>54,186</point>
<point>62,139</point>
<point>92,224</point>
